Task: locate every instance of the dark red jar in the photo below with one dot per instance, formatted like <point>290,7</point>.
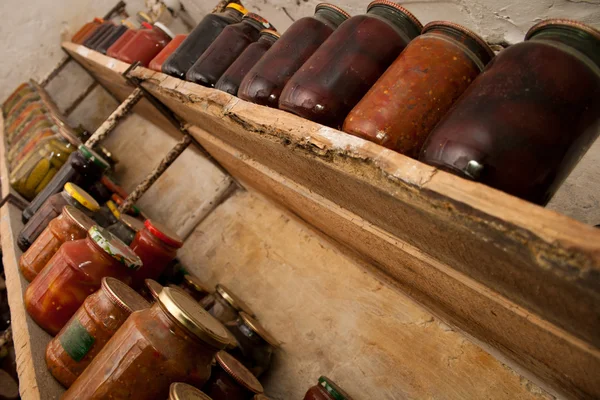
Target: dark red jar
<point>225,49</point>
<point>529,117</point>
<point>350,61</point>
<point>326,389</point>
<point>113,51</point>
<point>230,380</point>
<point>145,44</point>
<point>265,81</point>
<point>419,88</point>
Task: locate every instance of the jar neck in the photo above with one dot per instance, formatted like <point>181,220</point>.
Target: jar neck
<point>330,17</point>
<point>102,252</point>
<point>577,39</point>
<point>233,13</point>
<point>397,18</point>
<point>251,335</point>
<point>156,240</point>
<point>477,52</point>
<point>253,23</point>
<point>267,38</point>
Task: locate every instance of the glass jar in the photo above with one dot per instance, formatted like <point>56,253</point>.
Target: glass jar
<point>126,228</point>
<point>157,246</point>
<point>113,51</point>
<point>97,34</point>
<point>22,90</point>
<point>19,106</point>
<point>525,122</point>
<point>20,114</point>
<point>103,189</point>
<point>157,62</point>
<point>224,305</point>
<point>34,123</point>
<point>87,332</point>
<point>419,88</point>
<point>71,224</point>
<point>145,44</point>
<point>21,149</point>
<point>193,286</point>
<point>200,38</point>
<point>86,30</point>
<point>110,38</point>
<point>230,380</point>
<point>255,344</point>
<point>326,389</point>
<point>72,195</point>
<point>225,49</point>
<point>232,78</point>
<point>75,272</point>
<point>348,63</point>
<point>175,340</point>
<point>107,215</point>
<point>183,391</point>
<point>83,168</point>
<point>265,81</point>
<point>150,290</point>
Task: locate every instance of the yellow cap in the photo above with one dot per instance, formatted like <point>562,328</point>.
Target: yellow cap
<point>83,197</point>
<point>238,7</point>
<point>113,208</point>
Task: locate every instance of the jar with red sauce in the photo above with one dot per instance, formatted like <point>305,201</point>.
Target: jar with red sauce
<point>182,59</point>
<point>90,328</point>
<point>175,340</point>
<point>419,88</point>
<point>72,195</point>
<point>232,78</point>
<point>333,80</point>
<point>193,286</point>
<point>126,228</point>
<point>226,48</point>
<point>145,44</point>
<point>326,389</point>
<point>115,48</point>
<point>528,118</point>
<point>75,272</point>
<point>86,30</point>
<point>265,81</point>
<point>157,62</point>
<point>225,305</point>
<point>183,391</point>
<point>230,380</point>
<point>71,224</point>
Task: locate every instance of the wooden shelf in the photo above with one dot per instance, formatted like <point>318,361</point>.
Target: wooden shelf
<point>519,278</point>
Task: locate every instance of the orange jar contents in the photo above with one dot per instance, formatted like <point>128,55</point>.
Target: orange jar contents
<point>157,62</point>
<point>183,391</point>
<point>75,272</point>
<point>71,224</point>
<point>224,305</point>
<point>230,380</point>
<point>156,245</point>
<point>175,340</point>
<point>88,331</point>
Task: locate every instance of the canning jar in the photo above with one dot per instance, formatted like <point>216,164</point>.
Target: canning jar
<point>224,305</point>
<point>21,149</point>
<point>157,62</point>
<point>225,49</point>
<point>175,340</point>
<point>34,123</point>
<point>193,286</point>
<point>75,272</point>
<point>255,344</point>
<point>265,81</point>
<point>97,34</point>
<point>232,78</point>
<point>72,195</point>
<point>145,44</point>
<point>419,88</point>
<point>126,228</point>
<point>348,63</point>
<point>230,380</point>
<point>86,30</point>
<point>71,224</point>
<point>157,246</point>
<point>150,290</point>
<point>183,391</point>
<point>525,122</point>
<point>103,189</point>
<point>107,215</point>
<point>113,51</point>
<point>20,108</point>
<point>83,168</point>
<point>90,328</point>
<point>21,115</point>
<point>200,38</point>
<point>326,389</point>
<point>22,90</point>
<point>110,38</point>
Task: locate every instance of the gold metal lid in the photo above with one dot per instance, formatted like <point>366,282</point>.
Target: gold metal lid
<point>132,222</point>
<point>467,32</point>
<point>233,300</point>
<point>257,328</point>
<point>154,287</point>
<point>237,371</point>
<point>82,220</point>
<point>183,391</point>
<point>332,7</point>
<point>564,22</point>
<point>123,296</point>
<point>196,283</point>
<point>193,317</point>
<point>82,197</point>
<point>398,7</point>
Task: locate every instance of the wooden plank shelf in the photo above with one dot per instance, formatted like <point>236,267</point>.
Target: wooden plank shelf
<point>522,280</point>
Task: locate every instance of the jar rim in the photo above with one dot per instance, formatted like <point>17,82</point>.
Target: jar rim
<point>132,223</point>
<point>398,7</point>
<point>163,233</point>
<point>238,372</point>
<point>260,330</point>
<point>114,247</point>
<point>123,296</point>
<point>94,157</point>
<point>462,29</point>
<point>270,32</point>
<point>332,7</point>
<point>333,389</point>
<point>77,216</point>
<point>233,300</point>
<point>562,22</point>
<point>196,283</point>
<point>184,391</point>
<point>81,196</point>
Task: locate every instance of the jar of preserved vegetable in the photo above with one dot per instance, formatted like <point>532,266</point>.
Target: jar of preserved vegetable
<point>145,44</point>
<point>75,272</point>
<point>230,380</point>
<point>83,168</point>
<point>126,228</point>
<point>173,341</point>
<point>71,224</point>
<point>200,38</point>
<point>526,120</point>
<point>193,286</point>
<point>31,126</point>
<point>22,110</point>
<point>224,305</point>
<point>232,78</point>
<point>107,215</point>
<point>225,49</point>
<point>72,195</point>
<point>90,328</point>
<point>157,62</point>
<point>22,90</point>
<point>21,149</point>
<point>326,389</point>
<point>157,246</point>
<point>265,81</point>
<point>255,344</point>
<point>348,63</point>
<point>183,391</point>
<point>417,90</point>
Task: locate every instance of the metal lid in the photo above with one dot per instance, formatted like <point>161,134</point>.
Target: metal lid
<point>257,328</point>
<point>333,8</point>
<point>163,28</point>
<point>237,7</point>
<point>334,390</point>
<point>465,31</point>
<point>123,296</point>
<point>562,22</point>
<point>237,371</point>
<point>196,283</point>
<point>113,246</point>
<point>233,300</point>
<point>153,287</point>
<point>398,7</point>
<point>266,24</point>
<point>77,216</point>
<point>93,156</point>
<point>193,317</point>
<point>132,223</point>
<point>163,233</point>
<point>81,196</point>
<point>183,391</point>
<point>270,32</point>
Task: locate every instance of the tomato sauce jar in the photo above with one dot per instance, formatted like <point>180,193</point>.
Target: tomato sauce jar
<point>193,286</point>
<point>75,272</point>
<point>224,305</point>
<point>145,44</point>
<point>157,62</point>
<point>527,119</point>
<point>126,228</point>
<point>230,380</point>
<point>115,48</point>
<point>183,391</point>
<point>71,224</point>
<point>333,80</point>
<point>419,88</point>
<point>86,30</point>
<point>265,81</point>
<point>90,328</point>
<point>326,389</point>
<point>175,340</point>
